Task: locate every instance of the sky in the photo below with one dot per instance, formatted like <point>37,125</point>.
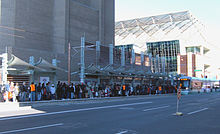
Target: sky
<point>207,11</point>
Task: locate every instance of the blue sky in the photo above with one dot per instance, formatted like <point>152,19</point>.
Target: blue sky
<point>207,11</point>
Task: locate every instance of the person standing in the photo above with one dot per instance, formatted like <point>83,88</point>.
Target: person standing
<point>64,91</point>
<point>59,90</point>
<point>89,88</point>
<point>48,91</point>
<point>12,92</point>
<point>72,90</point>
<point>39,91</point>
<point>80,91</point>
<point>32,88</point>
<point>24,89</point>
<point>77,91</point>
<point>16,92</point>
<point>53,91</point>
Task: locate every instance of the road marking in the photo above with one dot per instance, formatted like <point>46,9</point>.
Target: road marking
<point>156,108</point>
<point>70,111</point>
<point>126,108</point>
<point>33,128</point>
<point>197,111</point>
<point>122,132</point>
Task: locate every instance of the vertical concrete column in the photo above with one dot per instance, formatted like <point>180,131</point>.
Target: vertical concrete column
<point>189,64</point>
<point>123,56</point>
<point>98,54</point>
<point>82,72</point>
<point>178,64</point>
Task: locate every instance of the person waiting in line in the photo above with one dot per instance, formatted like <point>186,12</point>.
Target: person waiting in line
<point>17,92</point>
<point>63,91</point>
<point>47,91</point>
<point>38,92</point>
<point>23,91</point>
<point>59,90</point>
<point>89,88</point>
<point>72,91</point>
<point>44,92</point>
<point>131,90</point>
<point>53,91</point>
<point>100,91</point>
<point>68,93</point>
<point>77,91</point>
<point>80,91</point>
<point>32,89</point>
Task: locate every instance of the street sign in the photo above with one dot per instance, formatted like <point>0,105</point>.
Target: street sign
<point>197,70</point>
<point>179,94</point>
<point>177,104</point>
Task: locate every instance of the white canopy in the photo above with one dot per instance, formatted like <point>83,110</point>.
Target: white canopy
<point>46,65</point>
<point>15,61</point>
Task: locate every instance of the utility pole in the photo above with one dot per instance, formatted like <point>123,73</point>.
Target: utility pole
<point>82,72</point>
<point>69,63</point>
<point>69,50</point>
<point>4,67</point>
<point>97,54</point>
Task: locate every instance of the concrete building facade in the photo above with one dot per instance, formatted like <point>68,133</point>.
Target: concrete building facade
<point>43,28</point>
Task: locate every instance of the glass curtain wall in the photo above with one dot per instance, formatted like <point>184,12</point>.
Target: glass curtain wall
<point>167,49</point>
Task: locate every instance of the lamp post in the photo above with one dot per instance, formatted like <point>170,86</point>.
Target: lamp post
<point>69,63</point>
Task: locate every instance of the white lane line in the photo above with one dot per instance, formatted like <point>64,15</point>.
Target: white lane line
<point>197,111</point>
<point>126,108</point>
<point>33,128</point>
<point>156,108</point>
<point>70,111</point>
<point>122,132</point>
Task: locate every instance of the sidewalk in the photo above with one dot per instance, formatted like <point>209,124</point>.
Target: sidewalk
<point>10,106</point>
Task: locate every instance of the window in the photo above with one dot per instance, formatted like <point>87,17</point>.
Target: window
<point>193,50</point>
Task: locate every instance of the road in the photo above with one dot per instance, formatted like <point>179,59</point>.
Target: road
<point>126,115</point>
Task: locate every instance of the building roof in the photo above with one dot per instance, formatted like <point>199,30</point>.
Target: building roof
<point>173,26</point>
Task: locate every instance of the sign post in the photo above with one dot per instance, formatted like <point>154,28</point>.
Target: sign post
<point>177,104</point>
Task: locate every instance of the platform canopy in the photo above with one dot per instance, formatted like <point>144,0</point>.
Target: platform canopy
<point>15,61</point>
<point>42,63</point>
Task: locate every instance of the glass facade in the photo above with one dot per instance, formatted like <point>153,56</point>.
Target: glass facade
<point>166,49</point>
<point>193,49</point>
<point>128,51</point>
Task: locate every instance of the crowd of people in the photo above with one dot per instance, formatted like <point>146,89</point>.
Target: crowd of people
<point>41,91</point>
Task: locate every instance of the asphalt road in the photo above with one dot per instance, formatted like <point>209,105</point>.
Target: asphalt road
<point>127,115</point>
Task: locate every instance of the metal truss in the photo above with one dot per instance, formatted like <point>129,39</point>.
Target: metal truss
<point>150,26</point>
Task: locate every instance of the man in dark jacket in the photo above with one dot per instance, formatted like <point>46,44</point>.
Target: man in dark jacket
<point>39,91</point>
<point>23,91</point>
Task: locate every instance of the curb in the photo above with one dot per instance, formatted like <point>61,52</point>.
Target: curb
<point>72,101</point>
